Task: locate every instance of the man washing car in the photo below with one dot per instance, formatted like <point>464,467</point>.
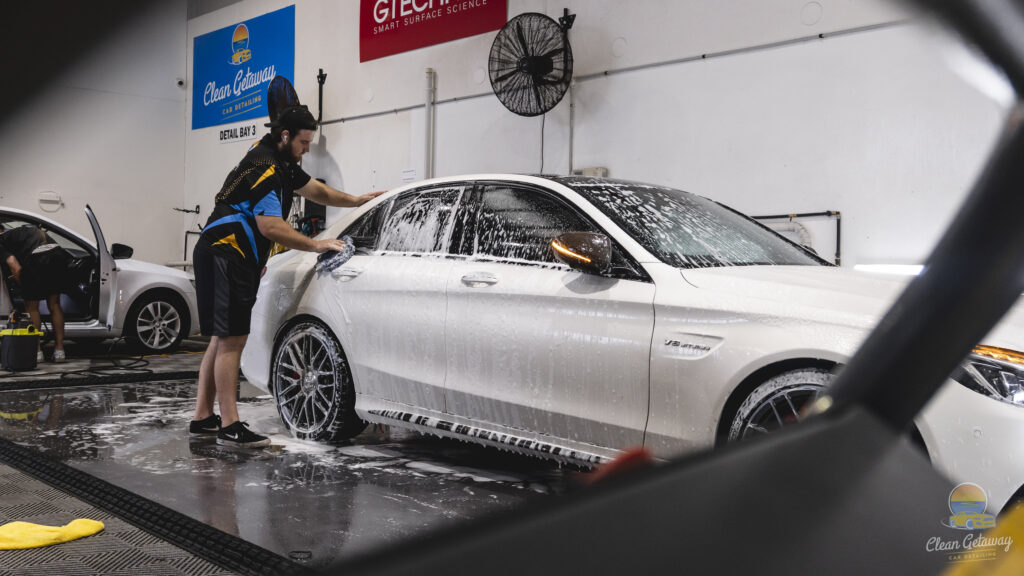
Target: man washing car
<point>248,217</point>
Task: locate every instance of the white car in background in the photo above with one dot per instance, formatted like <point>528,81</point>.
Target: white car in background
<point>575,318</point>
<point>151,306</point>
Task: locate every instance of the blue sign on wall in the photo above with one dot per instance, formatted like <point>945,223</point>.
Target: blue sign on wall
<point>233,66</point>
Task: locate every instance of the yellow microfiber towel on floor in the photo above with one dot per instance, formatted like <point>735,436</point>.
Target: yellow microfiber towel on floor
<point>18,535</point>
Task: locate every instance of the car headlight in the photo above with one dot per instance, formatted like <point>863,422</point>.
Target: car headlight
<point>995,372</point>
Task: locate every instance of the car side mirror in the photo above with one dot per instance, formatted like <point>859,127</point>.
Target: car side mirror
<point>121,251</point>
<point>584,251</point>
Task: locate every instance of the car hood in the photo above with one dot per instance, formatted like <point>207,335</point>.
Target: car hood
<point>826,294</point>
<point>811,287</point>
<point>132,265</point>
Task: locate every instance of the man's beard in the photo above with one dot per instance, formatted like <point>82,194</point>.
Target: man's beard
<point>286,151</point>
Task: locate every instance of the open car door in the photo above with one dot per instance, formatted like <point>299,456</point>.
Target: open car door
<point>107,278</point>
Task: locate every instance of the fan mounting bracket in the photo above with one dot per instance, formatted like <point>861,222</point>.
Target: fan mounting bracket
<point>566,20</point>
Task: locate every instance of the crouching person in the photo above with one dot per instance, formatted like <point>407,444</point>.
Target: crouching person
<point>40,267</point>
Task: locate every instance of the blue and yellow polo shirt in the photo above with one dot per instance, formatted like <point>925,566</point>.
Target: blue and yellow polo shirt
<point>261,185</point>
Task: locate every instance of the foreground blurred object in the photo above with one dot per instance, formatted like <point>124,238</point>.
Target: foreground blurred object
<point>835,496</point>
<point>630,462</point>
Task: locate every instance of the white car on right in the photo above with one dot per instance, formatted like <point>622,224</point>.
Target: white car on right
<point>576,318</point>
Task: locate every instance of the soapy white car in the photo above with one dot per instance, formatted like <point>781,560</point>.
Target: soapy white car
<point>575,318</point>
<point>112,295</point>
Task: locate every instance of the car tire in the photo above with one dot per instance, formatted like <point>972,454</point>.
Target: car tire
<point>777,402</point>
<point>157,322</point>
<point>312,385</point>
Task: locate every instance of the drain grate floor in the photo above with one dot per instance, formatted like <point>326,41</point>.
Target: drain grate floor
<point>141,536</point>
<point>120,548</point>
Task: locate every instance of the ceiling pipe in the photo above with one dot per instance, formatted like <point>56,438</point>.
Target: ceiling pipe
<point>830,213</point>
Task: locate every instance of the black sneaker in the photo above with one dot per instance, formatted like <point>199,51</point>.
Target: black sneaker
<point>238,434</point>
<point>208,425</point>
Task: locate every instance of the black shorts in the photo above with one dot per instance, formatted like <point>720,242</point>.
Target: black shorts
<point>45,274</point>
<point>226,292</point>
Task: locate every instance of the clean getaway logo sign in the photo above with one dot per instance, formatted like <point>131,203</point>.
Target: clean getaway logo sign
<point>232,67</point>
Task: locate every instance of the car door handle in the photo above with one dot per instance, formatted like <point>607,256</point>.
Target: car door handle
<point>348,273</point>
<point>478,279</point>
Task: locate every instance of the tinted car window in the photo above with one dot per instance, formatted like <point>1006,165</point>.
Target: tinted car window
<point>365,229</point>
<point>420,221</point>
<point>73,246</point>
<point>65,242</point>
<point>686,230</point>
<point>519,224</point>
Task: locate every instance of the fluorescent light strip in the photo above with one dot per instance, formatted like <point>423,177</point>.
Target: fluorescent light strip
<point>898,269</point>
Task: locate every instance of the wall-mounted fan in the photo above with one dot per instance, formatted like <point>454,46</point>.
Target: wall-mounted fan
<point>280,95</point>
<point>531,63</point>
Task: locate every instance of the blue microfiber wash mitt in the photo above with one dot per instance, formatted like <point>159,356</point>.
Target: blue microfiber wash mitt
<point>332,260</point>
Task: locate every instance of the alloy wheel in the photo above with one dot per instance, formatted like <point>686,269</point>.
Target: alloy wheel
<point>779,409</point>
<point>158,325</point>
<point>306,381</point>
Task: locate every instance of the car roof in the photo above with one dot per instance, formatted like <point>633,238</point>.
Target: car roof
<point>540,179</point>
<point>521,178</point>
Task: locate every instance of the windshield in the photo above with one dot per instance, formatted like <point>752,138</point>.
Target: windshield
<point>686,230</point>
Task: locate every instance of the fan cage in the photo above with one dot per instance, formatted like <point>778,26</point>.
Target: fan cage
<point>530,64</point>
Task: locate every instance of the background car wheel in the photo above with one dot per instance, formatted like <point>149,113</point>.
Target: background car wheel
<point>312,385</point>
<point>777,402</point>
<point>156,322</point>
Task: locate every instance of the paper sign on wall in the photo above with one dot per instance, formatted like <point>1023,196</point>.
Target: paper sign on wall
<point>244,131</point>
<point>389,27</point>
<point>233,66</point>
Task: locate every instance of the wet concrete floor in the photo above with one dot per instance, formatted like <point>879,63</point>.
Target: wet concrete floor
<point>316,503</point>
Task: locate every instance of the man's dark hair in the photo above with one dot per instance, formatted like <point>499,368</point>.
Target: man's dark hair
<point>292,119</point>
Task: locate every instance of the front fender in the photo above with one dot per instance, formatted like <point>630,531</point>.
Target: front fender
<point>696,366</point>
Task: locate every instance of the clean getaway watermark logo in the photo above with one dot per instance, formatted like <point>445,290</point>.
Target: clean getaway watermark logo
<point>967,503</point>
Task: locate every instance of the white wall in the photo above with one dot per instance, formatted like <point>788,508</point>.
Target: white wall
<point>110,133</point>
<point>871,123</point>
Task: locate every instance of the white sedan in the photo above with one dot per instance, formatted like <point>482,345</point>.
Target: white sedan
<point>151,306</point>
<point>575,318</point>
